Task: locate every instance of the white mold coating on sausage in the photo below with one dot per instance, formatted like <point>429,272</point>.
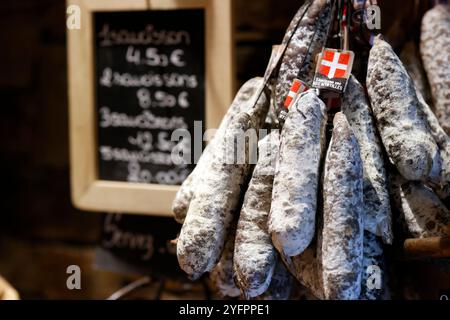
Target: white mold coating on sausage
<point>184,195</point>
<point>343,225</point>
<point>255,256</point>
<point>402,127</point>
<point>216,198</point>
<point>378,215</point>
<point>435,50</point>
<point>294,196</point>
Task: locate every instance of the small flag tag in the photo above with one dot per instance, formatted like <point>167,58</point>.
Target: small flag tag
<point>297,87</point>
<point>333,70</point>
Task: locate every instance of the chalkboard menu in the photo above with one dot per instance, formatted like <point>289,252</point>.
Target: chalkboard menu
<point>138,244</point>
<point>139,71</point>
<point>150,82</point>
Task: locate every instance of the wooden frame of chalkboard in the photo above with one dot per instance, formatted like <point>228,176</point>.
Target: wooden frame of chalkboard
<point>89,191</point>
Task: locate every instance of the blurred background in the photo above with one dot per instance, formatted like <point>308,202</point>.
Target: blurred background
<point>41,233</point>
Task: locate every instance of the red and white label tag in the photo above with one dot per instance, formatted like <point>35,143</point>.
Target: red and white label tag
<point>333,70</point>
<point>334,64</point>
<point>296,88</point>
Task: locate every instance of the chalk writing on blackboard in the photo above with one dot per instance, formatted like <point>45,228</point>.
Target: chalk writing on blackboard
<point>138,244</point>
<point>150,71</point>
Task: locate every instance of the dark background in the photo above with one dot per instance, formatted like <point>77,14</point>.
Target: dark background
<point>40,231</point>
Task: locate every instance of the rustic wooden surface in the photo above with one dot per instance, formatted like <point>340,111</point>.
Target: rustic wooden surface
<point>427,248</point>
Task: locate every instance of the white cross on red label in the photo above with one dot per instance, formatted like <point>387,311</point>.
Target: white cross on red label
<point>296,88</point>
<point>334,64</point>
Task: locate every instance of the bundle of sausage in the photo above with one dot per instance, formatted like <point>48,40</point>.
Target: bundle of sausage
<point>296,206</point>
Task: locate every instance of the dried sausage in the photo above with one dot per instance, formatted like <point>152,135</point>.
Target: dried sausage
<point>435,50</point>
<point>216,198</point>
<point>222,275</point>
<point>294,196</point>
<point>377,207</point>
<point>255,256</point>
<point>403,130</point>
<point>342,244</point>
<point>184,195</point>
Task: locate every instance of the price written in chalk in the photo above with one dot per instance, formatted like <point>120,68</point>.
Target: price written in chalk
<point>154,58</point>
<point>161,99</point>
<point>150,77</point>
<point>144,140</point>
<point>169,177</point>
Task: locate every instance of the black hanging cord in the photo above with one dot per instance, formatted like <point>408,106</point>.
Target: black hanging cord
<point>311,42</point>
<point>270,70</point>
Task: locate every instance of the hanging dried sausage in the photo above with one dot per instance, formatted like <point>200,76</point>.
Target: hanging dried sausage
<point>280,286</point>
<point>294,196</point>
<point>184,195</point>
<point>377,207</point>
<point>374,277</point>
<point>255,256</point>
<point>443,142</point>
<point>435,50</point>
<point>342,243</point>
<point>222,275</point>
<point>216,198</point>
<point>403,130</point>
<point>423,213</point>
